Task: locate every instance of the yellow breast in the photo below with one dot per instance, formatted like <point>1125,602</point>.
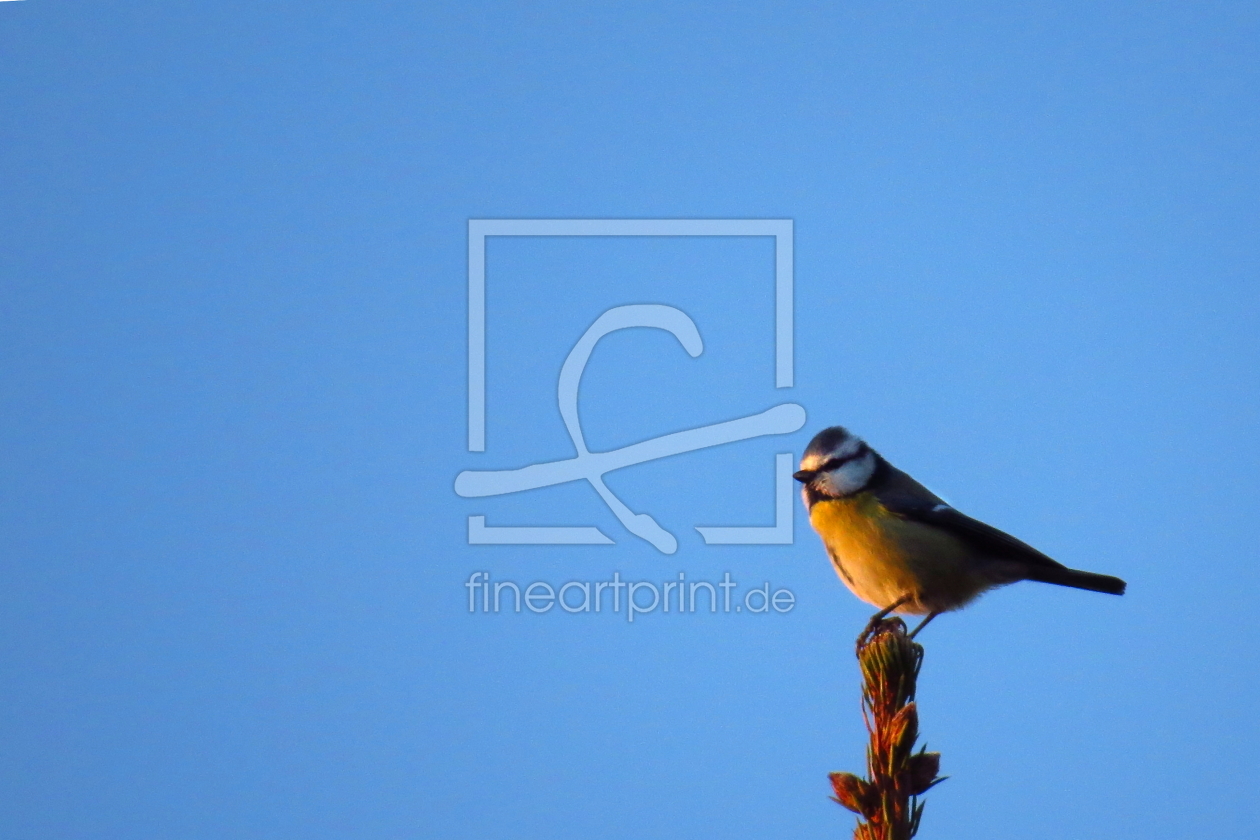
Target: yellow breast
<point>883,557</point>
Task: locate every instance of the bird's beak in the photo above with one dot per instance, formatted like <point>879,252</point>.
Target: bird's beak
<point>805,476</point>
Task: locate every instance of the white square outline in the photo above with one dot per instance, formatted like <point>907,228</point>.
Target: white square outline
<point>479,229</point>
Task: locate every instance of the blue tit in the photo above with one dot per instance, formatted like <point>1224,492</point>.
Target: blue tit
<point>898,546</point>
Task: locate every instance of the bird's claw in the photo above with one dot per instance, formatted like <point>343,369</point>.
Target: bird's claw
<point>873,626</point>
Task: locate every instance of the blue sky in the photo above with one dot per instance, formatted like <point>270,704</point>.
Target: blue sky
<point>233,268</point>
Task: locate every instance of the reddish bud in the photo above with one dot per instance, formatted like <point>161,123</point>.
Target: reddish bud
<point>922,770</point>
<point>853,793</point>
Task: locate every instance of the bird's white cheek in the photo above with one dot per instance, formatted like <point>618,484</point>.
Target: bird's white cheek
<point>851,477</point>
<point>835,484</point>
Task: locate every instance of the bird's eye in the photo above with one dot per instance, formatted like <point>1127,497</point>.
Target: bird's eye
<point>831,464</point>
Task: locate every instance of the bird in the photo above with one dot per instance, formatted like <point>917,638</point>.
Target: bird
<point>901,548</point>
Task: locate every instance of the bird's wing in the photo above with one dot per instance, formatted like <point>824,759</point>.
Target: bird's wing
<point>983,537</point>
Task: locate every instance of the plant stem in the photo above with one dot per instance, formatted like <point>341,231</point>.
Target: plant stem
<point>887,800</point>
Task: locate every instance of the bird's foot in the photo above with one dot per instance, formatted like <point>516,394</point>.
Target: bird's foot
<point>877,620</point>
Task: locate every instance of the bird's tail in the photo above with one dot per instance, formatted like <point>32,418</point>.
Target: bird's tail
<point>1064,576</point>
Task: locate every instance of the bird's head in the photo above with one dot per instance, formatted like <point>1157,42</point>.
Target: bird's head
<point>837,463</point>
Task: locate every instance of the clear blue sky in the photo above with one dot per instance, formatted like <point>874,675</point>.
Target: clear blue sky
<point>232,371</point>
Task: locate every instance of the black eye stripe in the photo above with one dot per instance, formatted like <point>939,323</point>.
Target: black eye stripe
<point>836,463</point>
